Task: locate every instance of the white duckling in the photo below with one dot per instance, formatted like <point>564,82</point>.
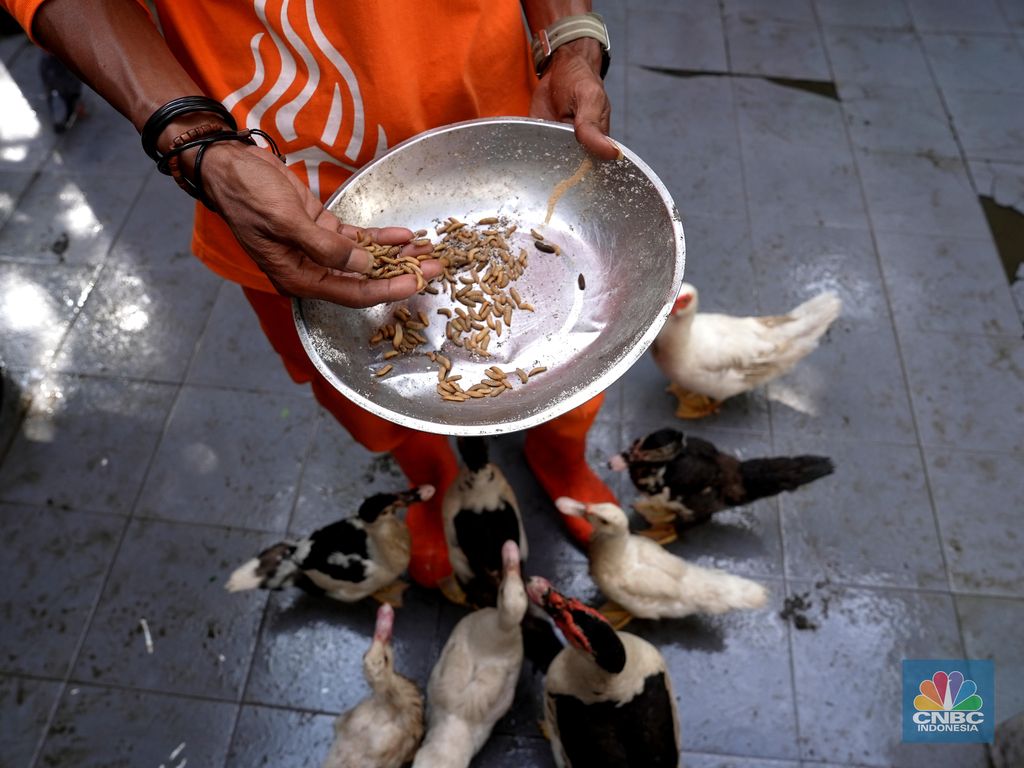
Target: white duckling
<point>608,700</point>
<point>383,730</point>
<point>645,580</point>
<point>473,683</point>
<point>711,357</point>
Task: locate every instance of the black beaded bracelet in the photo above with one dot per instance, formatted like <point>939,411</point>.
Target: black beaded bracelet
<point>184,105</point>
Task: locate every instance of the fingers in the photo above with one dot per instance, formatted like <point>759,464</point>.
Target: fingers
<point>595,141</point>
<point>331,249</point>
<point>590,120</point>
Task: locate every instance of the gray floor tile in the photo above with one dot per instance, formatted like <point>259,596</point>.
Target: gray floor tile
<point>68,217</point>
<point>158,231</point>
<point>852,662</point>
<point>771,113</point>
<point>689,36</point>
<point>908,120</point>
<point>978,497</point>
<point>876,57</point>
<point>870,523</point>
<point>719,263</point>
<point>230,458</point>
<point>12,46</point>
<point>40,302</point>
<point>866,13</point>
<point>110,728</point>
<point>795,263</point>
<point>310,652</point>
<point>992,629</point>
<point>233,352</point>
<point>52,575</point>
<point>749,704</point>
<point>202,644</point>
<point>852,385</point>
<point>13,184</point>
<point>1013,12</point>
<point>802,185</point>
<point>704,760</point>
<point>103,142</point>
<point>26,138</point>
<point>975,62</point>
<point>85,444</point>
<point>947,284</point>
<point>776,49</point>
<point>744,540</point>
<point>784,10</point>
<point>280,738</point>
<point>24,710</point>
<point>685,129</point>
<point>956,16</point>
<point>989,124</point>
<point>922,195</point>
<point>140,323</point>
<point>968,391</point>
<point>337,475</point>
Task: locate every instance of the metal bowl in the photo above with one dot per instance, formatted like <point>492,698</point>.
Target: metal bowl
<point>618,227</point>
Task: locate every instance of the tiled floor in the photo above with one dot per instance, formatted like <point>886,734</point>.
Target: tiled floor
<point>159,442</point>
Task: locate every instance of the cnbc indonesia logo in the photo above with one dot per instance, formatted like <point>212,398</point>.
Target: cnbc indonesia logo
<point>948,700</point>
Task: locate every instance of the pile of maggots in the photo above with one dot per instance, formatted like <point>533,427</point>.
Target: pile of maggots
<point>478,269</point>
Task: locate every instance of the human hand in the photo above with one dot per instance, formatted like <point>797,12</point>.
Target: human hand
<point>302,248</point>
<point>571,91</point>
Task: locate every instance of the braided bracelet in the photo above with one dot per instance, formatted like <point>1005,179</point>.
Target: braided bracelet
<point>169,162</point>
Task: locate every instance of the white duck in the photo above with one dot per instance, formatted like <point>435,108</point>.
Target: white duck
<point>645,580</point>
<point>608,697</point>
<point>474,681</point>
<point>384,729</point>
<point>711,357</point>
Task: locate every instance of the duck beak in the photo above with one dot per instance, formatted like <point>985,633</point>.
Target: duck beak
<point>571,507</point>
<point>510,557</point>
<point>385,624</point>
<point>538,589</point>
<point>619,462</point>
<point>419,493</point>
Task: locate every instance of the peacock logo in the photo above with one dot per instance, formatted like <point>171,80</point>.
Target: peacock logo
<point>948,700</point>
<point>947,692</point>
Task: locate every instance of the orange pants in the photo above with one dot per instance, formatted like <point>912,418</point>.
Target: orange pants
<point>555,449</point>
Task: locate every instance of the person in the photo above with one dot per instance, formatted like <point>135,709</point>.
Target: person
<point>333,85</point>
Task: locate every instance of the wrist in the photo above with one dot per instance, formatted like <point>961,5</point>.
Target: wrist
<point>586,48</point>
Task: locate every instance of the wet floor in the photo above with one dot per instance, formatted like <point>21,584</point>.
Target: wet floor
<point>810,145</point>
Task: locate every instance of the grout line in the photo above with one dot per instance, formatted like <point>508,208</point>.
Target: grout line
<point>896,333</point>
<point>90,617</point>
<point>265,613</point>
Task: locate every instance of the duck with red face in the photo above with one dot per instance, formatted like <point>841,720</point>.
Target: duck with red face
<point>608,699</point>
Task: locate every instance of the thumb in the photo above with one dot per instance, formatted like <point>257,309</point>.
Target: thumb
<point>331,249</point>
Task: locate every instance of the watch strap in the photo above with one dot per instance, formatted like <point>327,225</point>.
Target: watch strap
<point>565,30</point>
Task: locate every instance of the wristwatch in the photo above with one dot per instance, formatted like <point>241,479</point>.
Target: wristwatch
<point>565,30</point>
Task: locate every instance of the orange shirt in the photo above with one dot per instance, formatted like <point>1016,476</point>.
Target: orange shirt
<point>336,83</point>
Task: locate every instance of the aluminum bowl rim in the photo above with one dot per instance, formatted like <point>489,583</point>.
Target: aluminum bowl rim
<point>612,374</point>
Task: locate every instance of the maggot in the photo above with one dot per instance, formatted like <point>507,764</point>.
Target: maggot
<point>384,371</point>
<point>541,245</point>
